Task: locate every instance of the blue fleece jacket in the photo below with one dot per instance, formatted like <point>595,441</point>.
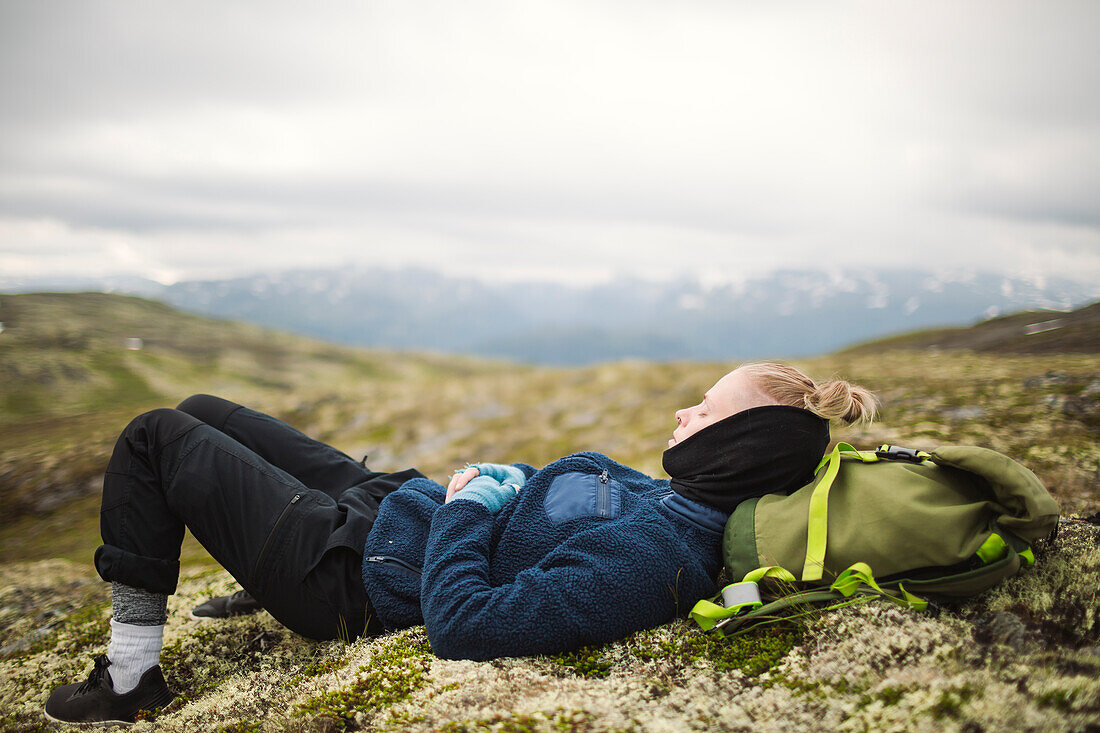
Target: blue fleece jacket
<point>589,551</point>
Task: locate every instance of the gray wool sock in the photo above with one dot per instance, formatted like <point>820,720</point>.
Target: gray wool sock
<point>138,607</point>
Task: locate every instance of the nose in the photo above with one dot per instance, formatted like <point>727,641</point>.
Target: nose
<point>681,417</point>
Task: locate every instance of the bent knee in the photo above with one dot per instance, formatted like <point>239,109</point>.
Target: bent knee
<point>147,433</point>
<point>162,421</point>
<point>198,403</point>
<point>209,409</point>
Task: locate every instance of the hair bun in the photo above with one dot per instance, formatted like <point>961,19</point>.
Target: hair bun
<point>833,400</point>
<point>840,400</point>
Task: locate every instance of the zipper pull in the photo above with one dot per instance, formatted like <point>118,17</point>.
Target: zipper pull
<point>296,498</point>
<point>604,478</point>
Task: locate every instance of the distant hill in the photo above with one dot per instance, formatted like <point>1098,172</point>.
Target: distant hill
<point>76,367</point>
<point>790,313</point>
<point>78,352</point>
<point>1033,332</point>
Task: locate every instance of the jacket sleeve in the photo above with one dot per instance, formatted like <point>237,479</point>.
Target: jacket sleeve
<point>527,468</point>
<point>435,491</point>
<point>597,586</point>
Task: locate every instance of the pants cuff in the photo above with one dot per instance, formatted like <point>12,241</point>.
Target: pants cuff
<point>153,574</point>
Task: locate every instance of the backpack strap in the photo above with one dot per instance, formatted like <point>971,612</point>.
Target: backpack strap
<point>859,574</point>
<point>740,605</point>
<point>817,526</point>
<point>734,599</point>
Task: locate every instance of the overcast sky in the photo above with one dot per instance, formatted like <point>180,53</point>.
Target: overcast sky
<point>548,139</point>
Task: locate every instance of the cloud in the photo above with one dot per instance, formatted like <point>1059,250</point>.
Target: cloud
<point>509,135</point>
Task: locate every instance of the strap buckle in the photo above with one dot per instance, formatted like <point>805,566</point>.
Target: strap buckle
<point>897,453</point>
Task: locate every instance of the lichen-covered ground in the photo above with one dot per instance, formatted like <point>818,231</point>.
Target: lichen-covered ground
<point>1024,656</point>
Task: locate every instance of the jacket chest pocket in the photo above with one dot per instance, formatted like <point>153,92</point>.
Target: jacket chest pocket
<point>574,494</point>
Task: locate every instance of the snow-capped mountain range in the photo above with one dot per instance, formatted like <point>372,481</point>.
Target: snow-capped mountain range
<point>783,314</point>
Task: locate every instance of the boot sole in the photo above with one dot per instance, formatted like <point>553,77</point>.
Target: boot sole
<point>90,724</point>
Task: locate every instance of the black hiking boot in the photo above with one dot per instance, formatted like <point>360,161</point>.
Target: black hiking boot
<point>95,701</point>
<point>237,604</point>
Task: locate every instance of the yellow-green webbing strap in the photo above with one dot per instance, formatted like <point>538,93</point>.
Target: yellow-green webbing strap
<point>994,548</point>
<point>708,614</point>
<point>846,449</point>
<point>859,575</point>
<point>734,611</point>
<point>769,571</point>
<point>736,598</point>
<point>817,527</point>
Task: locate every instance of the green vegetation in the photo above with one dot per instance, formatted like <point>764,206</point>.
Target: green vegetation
<point>393,673</point>
<point>242,726</point>
<point>588,661</point>
<point>752,653</point>
<point>887,696</point>
<point>524,723</point>
<point>950,702</point>
<point>1023,656</point>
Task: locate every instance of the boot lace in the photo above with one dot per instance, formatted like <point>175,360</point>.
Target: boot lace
<point>94,679</point>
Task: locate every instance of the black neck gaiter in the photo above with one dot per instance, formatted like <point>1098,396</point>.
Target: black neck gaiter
<point>763,450</point>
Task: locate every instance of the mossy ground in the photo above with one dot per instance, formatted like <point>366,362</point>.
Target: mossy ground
<point>1024,656</point>
<point>871,667</point>
<point>679,646</point>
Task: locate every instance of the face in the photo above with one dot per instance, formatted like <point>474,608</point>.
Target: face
<point>731,394</point>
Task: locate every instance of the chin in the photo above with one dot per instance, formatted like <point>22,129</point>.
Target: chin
<point>671,442</point>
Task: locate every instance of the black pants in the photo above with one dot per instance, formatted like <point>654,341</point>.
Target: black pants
<point>286,515</point>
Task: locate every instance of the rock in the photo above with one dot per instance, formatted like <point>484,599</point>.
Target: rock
<point>489,411</point>
<point>1053,401</point>
<point>53,497</point>
<point>1002,627</point>
<point>27,641</point>
<point>963,413</point>
<point>1084,408</point>
<point>1080,407</point>
<point>582,420</point>
<point>1048,379</point>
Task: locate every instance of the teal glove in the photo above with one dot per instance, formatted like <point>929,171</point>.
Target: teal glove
<point>488,492</point>
<point>503,473</point>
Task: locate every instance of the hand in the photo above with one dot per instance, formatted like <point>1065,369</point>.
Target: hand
<point>488,492</point>
<point>503,473</point>
<point>460,479</point>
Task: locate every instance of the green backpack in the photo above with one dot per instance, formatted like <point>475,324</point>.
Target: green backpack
<point>894,523</point>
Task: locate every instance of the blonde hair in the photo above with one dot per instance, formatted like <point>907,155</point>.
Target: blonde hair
<point>836,399</point>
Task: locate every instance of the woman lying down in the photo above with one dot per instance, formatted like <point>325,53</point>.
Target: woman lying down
<point>506,560</point>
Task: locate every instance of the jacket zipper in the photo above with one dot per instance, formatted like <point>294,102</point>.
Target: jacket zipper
<point>395,562</point>
<point>271,534</point>
<point>603,495</point>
